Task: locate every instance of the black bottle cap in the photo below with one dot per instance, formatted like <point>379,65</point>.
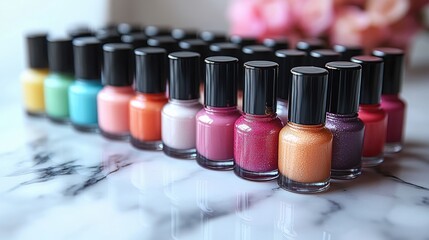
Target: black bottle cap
<point>87,58</point>
<point>371,80</point>
<point>198,46</point>
<point>307,99</point>
<point>393,66</point>
<point>153,31</point>
<point>60,52</point>
<point>184,75</point>
<point>260,85</point>
<point>150,70</point>
<point>287,59</point>
<point>221,81</point>
<point>309,45</point>
<point>257,52</point>
<point>182,34</point>
<point>128,28</point>
<point>243,41</point>
<point>343,87</point>
<point>79,31</point>
<point>320,57</point>
<point>276,43</point>
<point>108,36</point>
<point>225,49</point>
<point>37,50</point>
<point>118,64</point>
<point>212,37</point>
<point>136,39</point>
<point>347,52</point>
<point>166,42</point>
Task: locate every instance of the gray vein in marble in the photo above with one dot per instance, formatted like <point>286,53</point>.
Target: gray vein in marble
<point>334,207</point>
<point>397,179</point>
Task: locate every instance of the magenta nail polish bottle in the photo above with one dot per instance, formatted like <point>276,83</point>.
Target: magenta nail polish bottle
<point>215,123</point>
<point>390,101</point>
<point>256,133</point>
<point>287,59</point>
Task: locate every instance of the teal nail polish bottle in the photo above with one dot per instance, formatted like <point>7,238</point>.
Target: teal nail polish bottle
<point>83,92</point>
<point>60,53</point>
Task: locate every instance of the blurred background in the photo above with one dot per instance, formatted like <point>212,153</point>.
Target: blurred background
<point>337,20</point>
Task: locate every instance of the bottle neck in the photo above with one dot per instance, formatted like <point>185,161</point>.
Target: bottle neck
<point>305,127</point>
<point>341,116</point>
<point>220,109</point>
<point>262,118</point>
<point>369,107</point>
<point>150,96</point>
<point>184,102</point>
<point>390,97</point>
<point>125,89</point>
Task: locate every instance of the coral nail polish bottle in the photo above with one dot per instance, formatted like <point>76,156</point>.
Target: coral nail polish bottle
<point>61,76</point>
<point>178,121</point>
<point>276,43</point>
<point>215,123</point>
<point>342,119</point>
<point>287,59</point>
<point>113,100</point>
<point>257,130</point>
<point>370,112</point>
<point>390,101</point>
<point>305,145</point>
<point>320,57</point>
<point>347,52</point>
<point>146,106</point>
<point>83,92</point>
<point>32,80</point>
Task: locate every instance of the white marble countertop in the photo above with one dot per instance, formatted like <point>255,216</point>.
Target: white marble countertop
<point>56,183</point>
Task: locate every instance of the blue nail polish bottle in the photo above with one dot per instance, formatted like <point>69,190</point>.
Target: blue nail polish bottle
<point>83,92</point>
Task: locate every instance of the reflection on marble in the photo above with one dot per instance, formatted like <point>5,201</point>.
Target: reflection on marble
<point>56,183</point>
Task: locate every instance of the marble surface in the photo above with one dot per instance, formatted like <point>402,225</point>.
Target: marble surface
<point>56,183</point>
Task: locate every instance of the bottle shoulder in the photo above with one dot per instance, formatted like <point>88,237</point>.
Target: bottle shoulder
<point>206,116</point>
<point>306,134</point>
<point>85,87</point>
<point>245,124</point>
<point>34,75</point>
<point>181,110</point>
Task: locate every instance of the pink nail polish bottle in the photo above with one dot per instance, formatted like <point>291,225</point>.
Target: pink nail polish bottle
<point>256,133</point>
<point>215,123</point>
<point>113,99</point>
<point>390,101</point>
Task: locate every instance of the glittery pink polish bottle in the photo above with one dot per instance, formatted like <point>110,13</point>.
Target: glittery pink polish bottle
<point>256,132</point>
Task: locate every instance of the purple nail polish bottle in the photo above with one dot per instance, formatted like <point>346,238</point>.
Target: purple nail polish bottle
<point>342,119</point>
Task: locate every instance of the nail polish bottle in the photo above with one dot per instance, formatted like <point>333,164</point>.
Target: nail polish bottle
<point>79,31</point>
<point>215,123</point>
<point>320,57</point>
<point>83,92</point>
<point>342,119</point>
<point>168,43</point>
<point>146,106</point>
<point>113,100</point>
<point>211,37</point>
<point>178,121</point>
<point>276,43</point>
<point>256,132</point>
<point>370,112</point>
<point>200,47</point>
<point>128,28</point>
<point>391,103</point>
<point>287,59</point>
<point>33,78</point>
<point>232,50</point>
<point>305,145</point>
<point>61,76</point>
<point>243,41</point>
<point>154,31</point>
<point>137,40</point>
<point>308,45</point>
<point>108,36</point>
<point>181,34</point>
<point>347,52</point>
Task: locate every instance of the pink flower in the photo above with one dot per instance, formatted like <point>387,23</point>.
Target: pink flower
<point>385,12</point>
<point>260,18</point>
<point>353,27</point>
<point>404,31</point>
<point>313,16</point>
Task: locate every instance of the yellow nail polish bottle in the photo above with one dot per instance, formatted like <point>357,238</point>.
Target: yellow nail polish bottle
<point>32,79</point>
